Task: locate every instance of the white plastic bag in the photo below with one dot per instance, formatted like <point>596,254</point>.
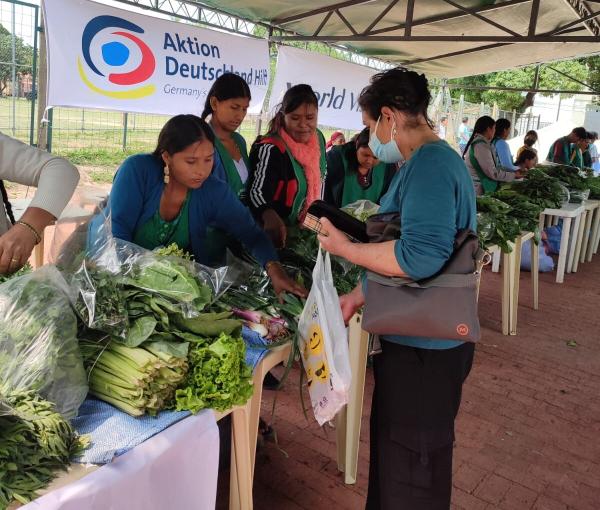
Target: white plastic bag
<point>324,345</point>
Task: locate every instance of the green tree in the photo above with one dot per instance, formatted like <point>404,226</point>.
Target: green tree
<point>23,55</point>
<point>522,78</point>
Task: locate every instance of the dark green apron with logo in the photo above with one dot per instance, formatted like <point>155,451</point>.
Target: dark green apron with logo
<point>488,185</point>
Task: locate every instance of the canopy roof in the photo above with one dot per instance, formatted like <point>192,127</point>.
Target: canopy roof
<point>443,38</point>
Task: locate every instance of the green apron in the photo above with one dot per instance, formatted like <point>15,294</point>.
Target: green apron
<point>157,232</point>
<point>233,176</point>
<point>353,191</point>
<point>301,178</point>
<point>488,185</point>
<point>566,151</point>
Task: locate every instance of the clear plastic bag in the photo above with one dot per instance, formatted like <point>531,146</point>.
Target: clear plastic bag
<point>39,350</point>
<point>362,209</point>
<point>110,265</point>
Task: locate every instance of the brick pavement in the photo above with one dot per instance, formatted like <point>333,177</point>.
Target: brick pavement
<point>527,436</point>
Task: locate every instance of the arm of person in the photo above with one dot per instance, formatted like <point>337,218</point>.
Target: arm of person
<point>55,179</point>
<point>232,216</point>
<point>484,157</point>
<point>558,153</point>
<point>334,180</point>
<point>126,199</point>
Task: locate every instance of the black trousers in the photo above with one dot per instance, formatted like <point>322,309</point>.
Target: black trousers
<point>415,402</point>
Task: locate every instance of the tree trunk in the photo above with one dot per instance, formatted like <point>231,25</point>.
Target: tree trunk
<point>527,101</point>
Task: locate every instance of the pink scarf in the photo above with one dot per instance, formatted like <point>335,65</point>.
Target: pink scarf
<point>309,156</point>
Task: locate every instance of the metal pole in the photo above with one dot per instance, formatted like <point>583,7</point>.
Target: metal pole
<point>558,111</point>
<point>34,90</point>
<point>49,130</point>
<point>42,135</point>
<point>514,118</point>
<point>14,68</point>
<point>125,117</point>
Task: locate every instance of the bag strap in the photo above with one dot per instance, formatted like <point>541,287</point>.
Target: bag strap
<point>442,280</point>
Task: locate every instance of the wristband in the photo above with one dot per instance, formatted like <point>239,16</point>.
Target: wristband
<point>38,238</point>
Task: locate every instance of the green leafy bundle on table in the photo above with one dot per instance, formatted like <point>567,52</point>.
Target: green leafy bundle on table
<point>495,225</point>
<point>39,350</point>
<point>35,442</point>
<point>24,270</point>
<point>540,189</point>
<point>571,176</point>
<point>218,377</point>
<point>594,187</point>
<point>524,211</point>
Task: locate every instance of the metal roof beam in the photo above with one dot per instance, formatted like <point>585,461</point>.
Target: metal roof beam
<point>474,13</point>
<point>346,22</point>
<point>535,10</point>
<point>410,10</point>
<point>448,16</point>
<point>588,17</point>
<point>383,13</point>
<point>320,10</point>
<point>538,39</point>
<point>582,10</point>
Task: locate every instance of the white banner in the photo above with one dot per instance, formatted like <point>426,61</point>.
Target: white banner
<point>102,57</point>
<point>337,84</point>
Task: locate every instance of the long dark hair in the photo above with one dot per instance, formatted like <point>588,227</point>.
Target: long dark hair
<point>180,132</point>
<point>482,124</point>
<point>501,126</point>
<point>397,88</point>
<point>226,86</point>
<point>293,99</point>
<point>7,204</point>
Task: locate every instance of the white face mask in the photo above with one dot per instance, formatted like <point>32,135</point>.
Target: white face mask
<point>387,152</point>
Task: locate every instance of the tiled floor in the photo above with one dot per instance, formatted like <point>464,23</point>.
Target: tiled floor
<point>528,434</point>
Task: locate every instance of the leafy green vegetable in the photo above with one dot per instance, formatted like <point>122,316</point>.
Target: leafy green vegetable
<point>38,340</point>
<point>35,441</point>
<point>495,223</point>
<point>136,380</point>
<point>218,377</point>
<point>540,189</point>
<point>24,270</point>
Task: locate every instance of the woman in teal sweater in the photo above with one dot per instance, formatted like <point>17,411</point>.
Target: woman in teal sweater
<point>418,380</point>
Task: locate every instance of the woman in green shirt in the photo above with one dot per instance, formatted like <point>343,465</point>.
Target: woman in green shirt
<point>354,173</point>
<point>227,104</point>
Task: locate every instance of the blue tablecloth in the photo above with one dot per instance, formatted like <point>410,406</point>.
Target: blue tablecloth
<point>113,432</point>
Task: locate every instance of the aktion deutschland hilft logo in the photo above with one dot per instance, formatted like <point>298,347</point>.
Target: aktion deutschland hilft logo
<point>116,54</point>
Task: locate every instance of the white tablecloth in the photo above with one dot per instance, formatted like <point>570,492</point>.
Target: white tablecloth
<point>176,469</point>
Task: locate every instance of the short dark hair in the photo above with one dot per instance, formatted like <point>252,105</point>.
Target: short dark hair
<point>294,97</point>
<point>180,132</point>
<point>226,86</point>
<point>443,118</point>
<point>525,155</point>
<point>398,88</point>
<point>465,119</point>
<point>580,132</point>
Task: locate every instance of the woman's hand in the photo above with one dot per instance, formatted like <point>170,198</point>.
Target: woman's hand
<point>351,303</point>
<point>16,246</point>
<point>283,283</point>
<point>334,240</point>
<point>275,228</point>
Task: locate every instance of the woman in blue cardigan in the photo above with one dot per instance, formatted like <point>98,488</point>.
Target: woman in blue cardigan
<point>174,196</point>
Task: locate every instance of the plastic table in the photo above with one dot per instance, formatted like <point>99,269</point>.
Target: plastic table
<point>591,229</point>
<point>571,215</point>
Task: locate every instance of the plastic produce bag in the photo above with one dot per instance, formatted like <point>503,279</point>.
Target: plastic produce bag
<point>39,350</point>
<point>110,264</point>
<point>323,345</point>
<point>361,209</point>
